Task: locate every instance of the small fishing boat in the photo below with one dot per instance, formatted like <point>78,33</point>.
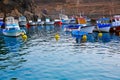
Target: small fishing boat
<point>115,24</point>
<point>85,25</point>
<point>87,28</point>
<point>71,27</point>
<point>57,22</point>
<point>72,21</point>
<point>32,23</point>
<point>103,25</point>
<point>12,28</point>
<point>64,18</point>
<point>40,22</point>
<point>22,21</point>
<point>82,25</point>
<point>48,22</point>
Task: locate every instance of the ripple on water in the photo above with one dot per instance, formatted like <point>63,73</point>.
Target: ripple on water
<point>44,58</point>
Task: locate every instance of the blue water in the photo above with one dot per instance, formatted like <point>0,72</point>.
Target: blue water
<point>41,57</point>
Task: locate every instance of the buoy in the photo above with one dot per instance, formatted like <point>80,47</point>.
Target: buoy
<point>24,37</point>
<point>84,38</point>
<point>57,37</point>
<point>100,34</point>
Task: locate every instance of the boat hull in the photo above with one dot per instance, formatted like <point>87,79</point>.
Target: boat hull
<point>72,27</point>
<point>22,23</point>
<point>115,29</point>
<point>15,33</point>
<point>88,29</point>
<point>102,29</point>
<point>40,23</point>
<point>49,23</point>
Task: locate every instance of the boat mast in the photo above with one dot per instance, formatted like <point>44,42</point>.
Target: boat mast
<point>113,10</point>
<point>77,6</point>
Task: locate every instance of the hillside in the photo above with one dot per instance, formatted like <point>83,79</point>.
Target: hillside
<point>54,7</point>
<point>86,7</point>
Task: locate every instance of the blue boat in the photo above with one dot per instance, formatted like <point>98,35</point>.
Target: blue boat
<point>22,21</point>
<point>12,28</point>
<point>1,22</point>
<point>103,25</point>
<point>72,27</point>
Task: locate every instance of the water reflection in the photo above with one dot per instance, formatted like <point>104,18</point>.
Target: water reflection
<point>12,43</point>
<point>106,37</point>
<point>11,58</point>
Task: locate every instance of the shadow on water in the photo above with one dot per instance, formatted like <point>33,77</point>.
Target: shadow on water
<point>3,49</point>
<point>10,56</point>
<point>106,37</point>
<point>11,44</point>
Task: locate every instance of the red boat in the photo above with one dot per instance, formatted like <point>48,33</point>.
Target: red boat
<point>115,24</point>
<point>58,23</point>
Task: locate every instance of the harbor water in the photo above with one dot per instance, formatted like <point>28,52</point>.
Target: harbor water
<point>41,57</point>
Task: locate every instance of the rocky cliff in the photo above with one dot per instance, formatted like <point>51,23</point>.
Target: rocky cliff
<point>16,7</point>
<point>54,7</point>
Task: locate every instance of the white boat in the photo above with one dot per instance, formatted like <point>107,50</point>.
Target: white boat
<point>84,26</point>
<point>64,18</point>
<point>88,29</point>
<point>104,29</point>
<point>103,25</point>
<point>115,24</point>
<point>72,21</point>
<point>32,23</point>
<point>22,21</point>
<point>12,28</point>
<point>48,22</point>
<point>40,22</point>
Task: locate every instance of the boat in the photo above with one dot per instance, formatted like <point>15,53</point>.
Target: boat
<point>40,22</point>
<point>57,22</point>
<point>81,25</point>
<point>86,26</point>
<point>71,27</point>
<point>48,22</point>
<point>103,25</point>
<point>22,21</point>
<point>64,18</point>
<point>115,24</point>
<point>12,28</point>
<point>32,23</point>
<point>72,21</point>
